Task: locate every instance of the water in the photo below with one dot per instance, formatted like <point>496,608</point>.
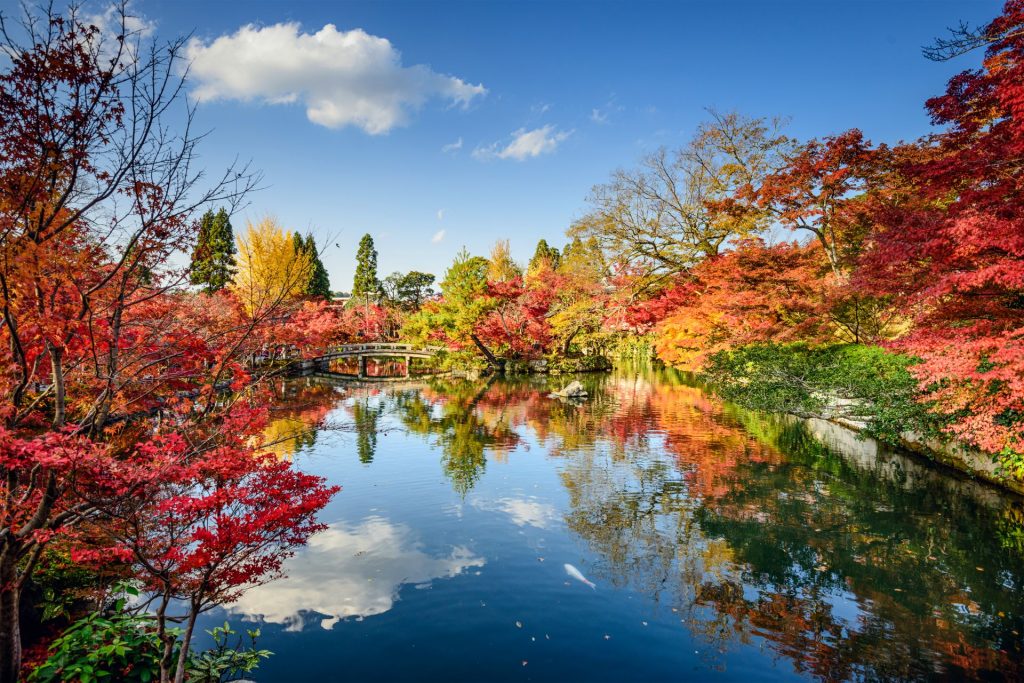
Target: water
<point>723,544</point>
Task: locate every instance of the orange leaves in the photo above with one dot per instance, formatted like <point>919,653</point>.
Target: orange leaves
<point>755,293</point>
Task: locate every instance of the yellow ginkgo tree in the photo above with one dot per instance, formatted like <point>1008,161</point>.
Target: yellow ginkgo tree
<point>270,269</point>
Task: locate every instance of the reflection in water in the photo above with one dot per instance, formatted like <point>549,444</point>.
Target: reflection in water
<point>300,408</point>
<point>365,418</point>
<point>460,424</point>
<point>522,511</point>
<point>848,561</point>
<point>350,571</point>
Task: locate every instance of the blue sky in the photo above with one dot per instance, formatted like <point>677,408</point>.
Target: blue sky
<point>594,85</point>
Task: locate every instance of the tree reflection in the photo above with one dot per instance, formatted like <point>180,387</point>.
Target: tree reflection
<point>745,542</point>
<point>450,413</point>
<point>300,406</point>
<point>862,565</point>
<point>365,418</point>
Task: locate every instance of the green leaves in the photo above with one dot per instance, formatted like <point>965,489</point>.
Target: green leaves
<point>366,282</point>
<point>226,659</point>
<point>213,260</point>
<point>124,647</point>
<point>862,384</point>
<point>119,647</point>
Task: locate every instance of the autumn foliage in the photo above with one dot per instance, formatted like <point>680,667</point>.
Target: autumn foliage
<point>751,294</point>
<point>128,406</point>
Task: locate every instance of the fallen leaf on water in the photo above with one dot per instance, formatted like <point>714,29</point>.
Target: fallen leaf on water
<point>980,569</point>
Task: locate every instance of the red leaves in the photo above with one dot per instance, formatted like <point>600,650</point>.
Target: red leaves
<point>949,244</point>
<point>814,189</point>
<point>228,523</point>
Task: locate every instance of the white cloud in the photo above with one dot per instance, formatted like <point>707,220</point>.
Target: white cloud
<point>350,571</point>
<point>438,236</point>
<point>602,115</point>
<point>525,144</point>
<point>113,21</point>
<point>440,214</point>
<point>342,78</point>
<point>452,147</point>
<point>522,511</point>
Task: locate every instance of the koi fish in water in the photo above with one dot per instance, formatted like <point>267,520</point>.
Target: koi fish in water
<point>578,575</point>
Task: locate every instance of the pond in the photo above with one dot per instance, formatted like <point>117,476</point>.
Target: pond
<point>721,544</point>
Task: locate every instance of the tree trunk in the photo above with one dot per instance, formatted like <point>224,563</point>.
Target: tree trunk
<point>59,396</point>
<point>491,359</point>
<point>166,639</point>
<point>186,641</point>
<point>10,627</point>
<point>568,342</point>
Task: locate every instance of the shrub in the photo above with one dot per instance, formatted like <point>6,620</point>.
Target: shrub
<point>862,383</point>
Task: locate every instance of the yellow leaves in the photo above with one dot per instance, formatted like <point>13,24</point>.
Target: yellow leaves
<point>501,267</point>
<point>270,268</point>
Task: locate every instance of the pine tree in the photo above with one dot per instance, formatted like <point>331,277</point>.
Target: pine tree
<point>544,253</point>
<point>213,260</point>
<point>319,280</point>
<point>366,282</point>
<point>318,284</point>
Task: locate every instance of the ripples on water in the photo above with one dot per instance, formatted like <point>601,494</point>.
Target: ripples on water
<point>723,544</point>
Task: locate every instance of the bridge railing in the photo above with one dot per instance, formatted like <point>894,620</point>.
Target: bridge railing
<point>357,348</point>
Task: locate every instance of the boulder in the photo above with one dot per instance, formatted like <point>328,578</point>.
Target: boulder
<point>573,390</point>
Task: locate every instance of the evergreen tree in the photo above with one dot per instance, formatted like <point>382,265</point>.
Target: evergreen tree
<point>213,260</point>
<point>318,283</point>
<point>543,253</point>
<point>319,280</point>
<point>583,258</point>
<point>366,282</point>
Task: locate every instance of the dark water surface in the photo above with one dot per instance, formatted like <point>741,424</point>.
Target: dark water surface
<point>723,544</point>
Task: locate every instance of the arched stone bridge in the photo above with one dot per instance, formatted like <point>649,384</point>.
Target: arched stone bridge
<point>362,352</point>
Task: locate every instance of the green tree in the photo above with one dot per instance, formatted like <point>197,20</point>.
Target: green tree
<point>319,282</point>
<point>408,290</point>
<point>213,259</point>
<point>464,305</point>
<point>542,255</point>
<point>366,282</point>
<point>583,259</point>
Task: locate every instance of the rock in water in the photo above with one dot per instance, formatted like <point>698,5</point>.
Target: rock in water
<point>573,390</point>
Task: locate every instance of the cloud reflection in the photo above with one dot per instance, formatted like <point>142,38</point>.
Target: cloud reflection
<point>522,511</point>
<point>350,571</point>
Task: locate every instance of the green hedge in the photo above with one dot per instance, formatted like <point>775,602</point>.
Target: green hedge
<point>808,380</point>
